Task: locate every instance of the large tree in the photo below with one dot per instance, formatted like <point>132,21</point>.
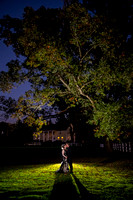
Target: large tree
<point>75,56</point>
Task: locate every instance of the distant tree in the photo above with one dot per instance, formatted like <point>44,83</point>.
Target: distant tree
<point>7,107</point>
<point>21,135</point>
<point>73,55</point>
<point>16,134</point>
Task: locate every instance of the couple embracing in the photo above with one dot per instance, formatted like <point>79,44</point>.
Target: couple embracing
<point>66,159</point>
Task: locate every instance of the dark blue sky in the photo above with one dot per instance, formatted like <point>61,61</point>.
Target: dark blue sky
<point>15,8</point>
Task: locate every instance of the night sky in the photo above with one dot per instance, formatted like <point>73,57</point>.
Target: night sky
<point>15,8</point>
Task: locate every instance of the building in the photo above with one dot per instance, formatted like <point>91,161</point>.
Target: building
<point>53,135</point>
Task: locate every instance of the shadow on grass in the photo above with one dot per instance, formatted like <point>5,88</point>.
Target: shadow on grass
<point>64,188</point>
<point>24,196</point>
<point>83,192</point>
<point>68,186</point>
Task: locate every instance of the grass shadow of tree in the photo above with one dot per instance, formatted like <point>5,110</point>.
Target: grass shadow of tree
<point>64,188</point>
<point>83,192</point>
<point>67,186</point>
<point>32,195</point>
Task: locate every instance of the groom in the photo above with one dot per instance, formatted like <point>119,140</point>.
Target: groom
<point>69,157</point>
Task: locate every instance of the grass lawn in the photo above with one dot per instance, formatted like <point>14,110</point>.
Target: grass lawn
<point>98,178</point>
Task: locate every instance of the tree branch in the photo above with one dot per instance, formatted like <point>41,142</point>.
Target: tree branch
<point>85,95</point>
<point>85,54</point>
<point>79,89</point>
<point>86,84</point>
<point>54,116</point>
<point>76,38</point>
<point>65,84</point>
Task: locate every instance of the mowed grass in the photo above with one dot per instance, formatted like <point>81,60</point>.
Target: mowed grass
<point>91,179</point>
<point>29,181</point>
<point>106,179</point>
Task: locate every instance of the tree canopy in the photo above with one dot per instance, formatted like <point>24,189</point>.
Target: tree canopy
<point>70,54</point>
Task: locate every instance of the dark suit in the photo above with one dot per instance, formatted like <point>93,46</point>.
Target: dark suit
<point>69,158</point>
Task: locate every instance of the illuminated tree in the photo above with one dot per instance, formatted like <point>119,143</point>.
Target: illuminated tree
<point>72,55</point>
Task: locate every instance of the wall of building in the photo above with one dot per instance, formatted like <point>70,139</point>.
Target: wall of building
<point>54,135</point>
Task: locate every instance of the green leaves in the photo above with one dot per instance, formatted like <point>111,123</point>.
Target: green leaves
<point>108,120</point>
<point>72,55</point>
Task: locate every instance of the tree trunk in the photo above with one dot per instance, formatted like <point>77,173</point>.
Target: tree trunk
<point>108,145</point>
<point>72,133</point>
